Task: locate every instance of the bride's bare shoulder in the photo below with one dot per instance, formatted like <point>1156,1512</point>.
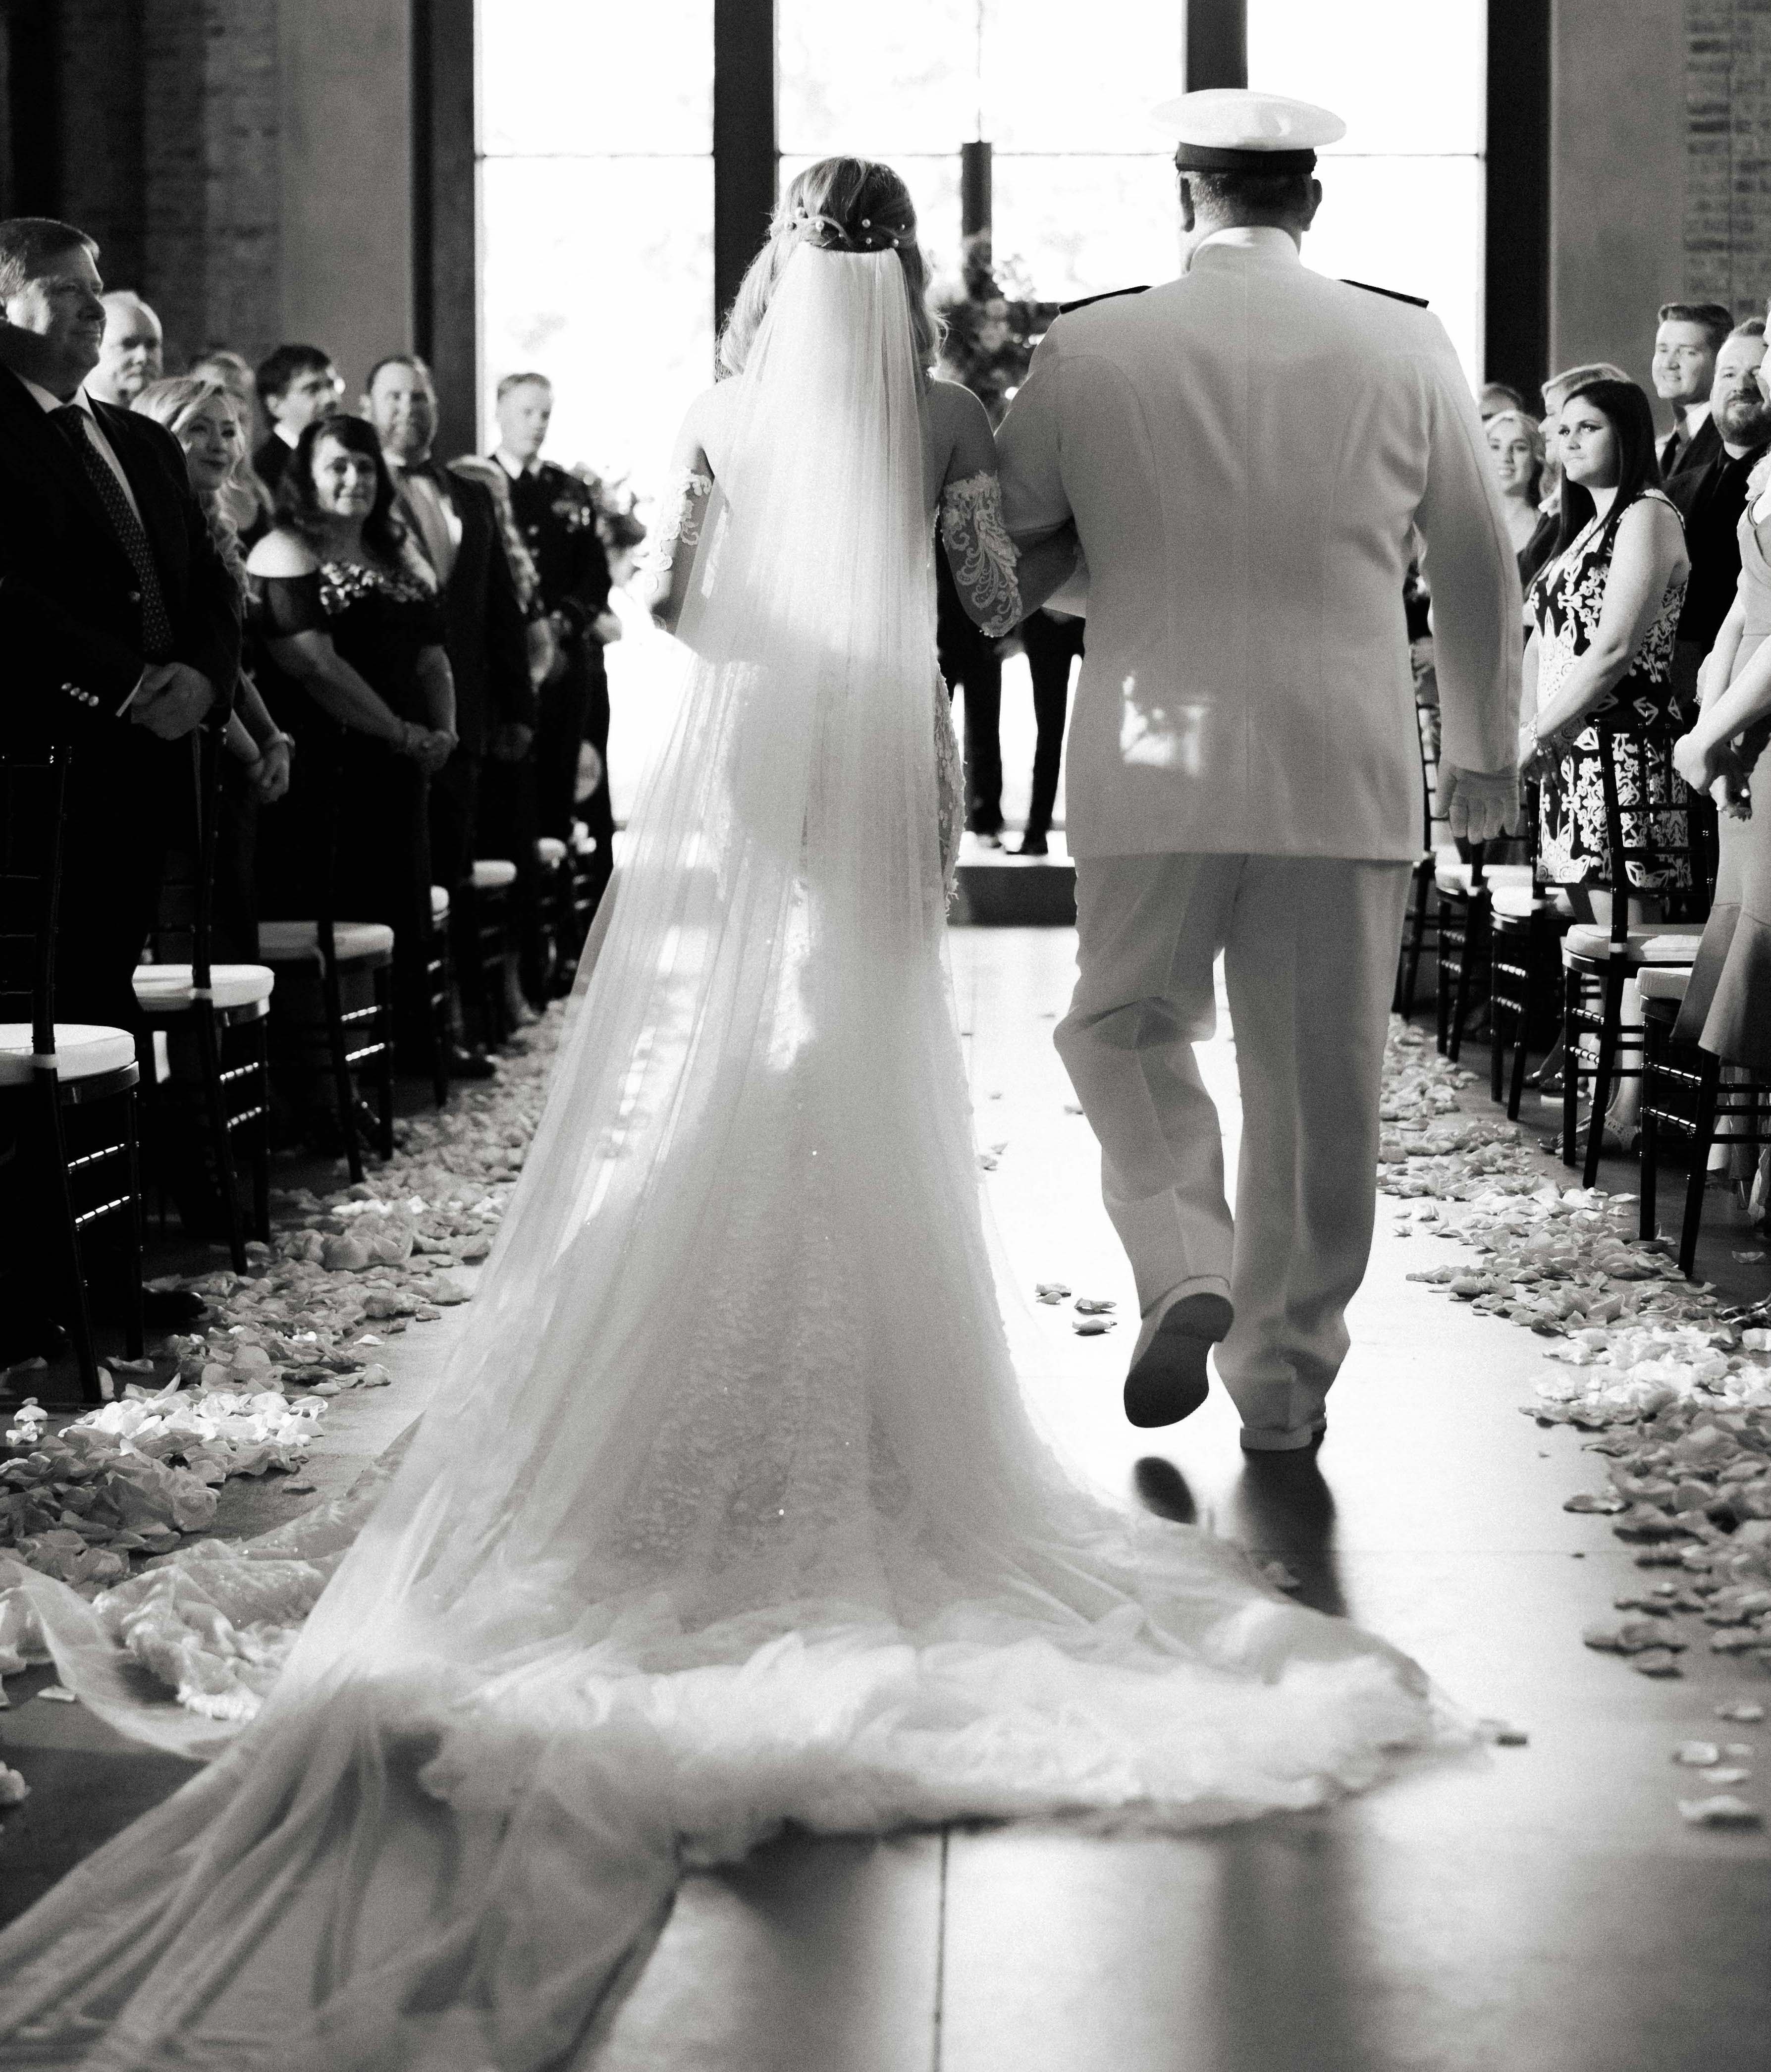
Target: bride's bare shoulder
<point>698,437</point>
<point>952,407</point>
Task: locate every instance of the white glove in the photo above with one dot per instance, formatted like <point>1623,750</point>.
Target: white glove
<point>1480,804</point>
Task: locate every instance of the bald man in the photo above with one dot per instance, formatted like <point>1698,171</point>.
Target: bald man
<point>132,354</point>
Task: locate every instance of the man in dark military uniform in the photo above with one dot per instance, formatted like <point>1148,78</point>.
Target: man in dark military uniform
<point>557,515</point>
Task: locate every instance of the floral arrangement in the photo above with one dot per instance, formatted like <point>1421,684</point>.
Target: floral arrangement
<point>994,323</point>
<point>616,503</point>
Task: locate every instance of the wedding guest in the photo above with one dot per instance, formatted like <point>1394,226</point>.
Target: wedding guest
<point>1555,393</point>
<point>133,353</point>
<point>351,631</point>
<point>201,417</point>
<point>543,647</point>
<point>118,619</point>
<point>454,522</point>
<point>1496,396</point>
<point>245,496</point>
<point>1606,609</point>
<point>1689,337</point>
<point>1726,1008</point>
<point>298,385</point>
<point>557,515</point>
<point>1711,498</point>
<point>119,627</point>
<point>1517,447</point>
<point>1053,641</point>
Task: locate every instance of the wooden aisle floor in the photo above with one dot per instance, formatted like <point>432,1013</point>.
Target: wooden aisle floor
<point>1543,1909</point>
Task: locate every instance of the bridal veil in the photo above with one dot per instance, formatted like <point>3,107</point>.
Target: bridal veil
<point>728,1511</point>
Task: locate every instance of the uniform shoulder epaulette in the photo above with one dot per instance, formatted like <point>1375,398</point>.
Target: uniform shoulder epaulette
<point>1112,294</point>
<point>1396,294</point>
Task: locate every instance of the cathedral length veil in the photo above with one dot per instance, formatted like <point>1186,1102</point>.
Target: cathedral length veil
<point>728,1511</point>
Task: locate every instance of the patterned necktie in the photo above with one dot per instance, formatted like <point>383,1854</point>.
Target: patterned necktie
<point>156,621</point>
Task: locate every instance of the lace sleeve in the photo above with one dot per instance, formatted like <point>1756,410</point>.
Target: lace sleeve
<point>980,552</point>
<point>681,510</point>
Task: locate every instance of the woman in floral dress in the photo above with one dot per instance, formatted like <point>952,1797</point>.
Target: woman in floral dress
<point>1604,610</point>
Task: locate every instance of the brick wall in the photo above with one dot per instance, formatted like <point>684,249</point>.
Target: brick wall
<point>100,131</point>
<point>1728,153</point>
<point>210,154</point>
<point>170,158</point>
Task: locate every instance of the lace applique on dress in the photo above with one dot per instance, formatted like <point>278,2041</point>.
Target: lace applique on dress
<point>982,556</point>
<point>681,510</point>
<point>949,789</point>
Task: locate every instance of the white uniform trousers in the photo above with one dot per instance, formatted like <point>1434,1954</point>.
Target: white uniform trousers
<point>1310,946</point>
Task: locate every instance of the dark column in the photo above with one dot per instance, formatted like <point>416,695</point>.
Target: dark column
<point>446,214</point>
<point>745,153</point>
<point>30,111</point>
<point>976,208</point>
<point>1516,281</point>
<point>1217,43</point>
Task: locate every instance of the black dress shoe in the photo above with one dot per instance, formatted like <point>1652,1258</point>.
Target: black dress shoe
<point>1168,1379</point>
<point>468,1064</point>
<point>1033,845</point>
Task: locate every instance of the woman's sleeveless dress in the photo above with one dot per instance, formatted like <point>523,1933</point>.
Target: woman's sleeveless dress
<point>1566,601</point>
<point>1727,1003</point>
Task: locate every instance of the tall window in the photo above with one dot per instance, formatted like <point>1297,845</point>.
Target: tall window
<point>1084,195</point>
<point>596,133</point>
<point>597,191</point>
<point>1404,191</point>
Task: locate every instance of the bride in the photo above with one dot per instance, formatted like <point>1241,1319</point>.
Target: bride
<point>728,1512</point>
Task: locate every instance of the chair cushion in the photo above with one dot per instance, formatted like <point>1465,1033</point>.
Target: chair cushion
<point>1663,982</point>
<point>1451,874</point>
<point>1518,902</point>
<point>439,903</point>
<point>164,988</point>
<point>84,1049</point>
<point>299,942</point>
<point>1663,942</point>
<point>494,874</point>
<point>550,850</point>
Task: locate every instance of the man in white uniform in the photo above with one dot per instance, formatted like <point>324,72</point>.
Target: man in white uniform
<point>1249,454</point>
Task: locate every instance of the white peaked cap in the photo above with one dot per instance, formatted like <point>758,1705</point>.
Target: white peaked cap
<point>1231,129</point>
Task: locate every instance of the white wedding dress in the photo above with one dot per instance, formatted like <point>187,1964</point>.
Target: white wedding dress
<point>728,1512</point>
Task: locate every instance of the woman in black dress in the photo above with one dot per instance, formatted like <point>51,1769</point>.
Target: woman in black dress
<point>347,623</point>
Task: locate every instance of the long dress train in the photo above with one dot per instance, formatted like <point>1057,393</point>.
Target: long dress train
<point>728,1512</point>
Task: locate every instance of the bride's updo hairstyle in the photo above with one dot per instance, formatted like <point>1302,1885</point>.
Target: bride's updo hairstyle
<point>839,205</point>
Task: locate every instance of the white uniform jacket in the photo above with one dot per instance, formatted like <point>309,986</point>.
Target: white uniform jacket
<point>1247,452</point>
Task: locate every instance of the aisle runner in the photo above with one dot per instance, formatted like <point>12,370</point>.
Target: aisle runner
<point>1674,1388</point>
<point>1674,1384</point>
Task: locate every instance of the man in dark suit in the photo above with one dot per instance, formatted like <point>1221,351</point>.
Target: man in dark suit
<point>1711,500</point>
<point>455,523</point>
<point>119,623</point>
<point>1712,497</point>
<point>296,384</point>
<point>556,516</point>
<point>1689,337</point>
